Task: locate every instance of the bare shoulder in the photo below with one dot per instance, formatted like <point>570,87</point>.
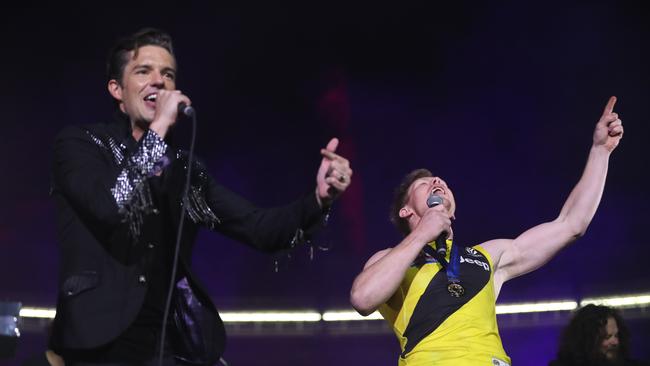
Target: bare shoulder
<point>377,256</point>
<point>496,248</point>
<point>500,254</point>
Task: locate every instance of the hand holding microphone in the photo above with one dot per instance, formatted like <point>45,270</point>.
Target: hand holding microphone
<point>435,223</point>
<point>441,240</point>
<point>185,110</point>
<point>170,105</point>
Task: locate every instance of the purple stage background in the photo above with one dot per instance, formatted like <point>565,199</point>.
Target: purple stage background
<point>499,99</point>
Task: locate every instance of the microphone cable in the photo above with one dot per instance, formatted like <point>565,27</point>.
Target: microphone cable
<point>185,201</point>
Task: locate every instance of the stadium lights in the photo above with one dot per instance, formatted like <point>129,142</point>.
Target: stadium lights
<point>629,301</point>
<point>347,315</point>
<point>620,301</point>
<point>37,313</point>
<point>537,307</point>
<point>270,316</point>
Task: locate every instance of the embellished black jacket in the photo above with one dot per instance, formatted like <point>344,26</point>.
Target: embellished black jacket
<point>103,195</point>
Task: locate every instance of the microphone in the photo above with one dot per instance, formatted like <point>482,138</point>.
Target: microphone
<point>185,110</point>
<point>441,240</point>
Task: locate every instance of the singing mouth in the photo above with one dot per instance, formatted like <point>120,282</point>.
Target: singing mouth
<point>151,97</point>
<point>437,191</point>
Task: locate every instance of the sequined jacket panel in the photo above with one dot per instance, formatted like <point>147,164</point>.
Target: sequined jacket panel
<point>102,198</point>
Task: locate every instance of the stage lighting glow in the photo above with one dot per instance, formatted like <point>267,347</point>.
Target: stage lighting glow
<point>346,315</point>
<point>270,316</point>
<point>620,301</point>
<point>630,301</point>
<point>37,313</point>
<point>536,307</point>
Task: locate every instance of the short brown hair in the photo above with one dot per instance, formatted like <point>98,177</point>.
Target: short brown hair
<point>401,195</point>
<point>118,56</point>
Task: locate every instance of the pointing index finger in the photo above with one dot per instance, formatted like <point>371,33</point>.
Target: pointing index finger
<point>332,145</point>
<point>609,108</point>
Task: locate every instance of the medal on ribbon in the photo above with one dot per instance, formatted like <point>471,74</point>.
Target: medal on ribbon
<point>454,287</point>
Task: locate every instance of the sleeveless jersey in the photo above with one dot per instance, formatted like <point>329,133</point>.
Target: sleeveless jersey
<point>435,328</point>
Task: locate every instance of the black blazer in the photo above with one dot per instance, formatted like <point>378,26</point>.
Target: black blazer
<point>101,192</point>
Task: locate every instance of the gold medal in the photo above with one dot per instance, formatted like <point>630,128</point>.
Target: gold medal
<point>455,289</point>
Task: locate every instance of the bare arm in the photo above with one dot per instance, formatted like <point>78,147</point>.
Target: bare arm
<point>384,271</point>
<point>539,244</point>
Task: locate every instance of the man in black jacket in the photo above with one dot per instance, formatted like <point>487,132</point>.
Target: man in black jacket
<point>118,189</point>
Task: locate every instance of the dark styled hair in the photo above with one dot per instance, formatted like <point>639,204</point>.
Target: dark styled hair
<point>581,339</point>
<point>401,196</point>
<point>118,56</point>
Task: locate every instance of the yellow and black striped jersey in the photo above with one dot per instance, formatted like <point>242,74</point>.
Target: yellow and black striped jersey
<point>435,328</point>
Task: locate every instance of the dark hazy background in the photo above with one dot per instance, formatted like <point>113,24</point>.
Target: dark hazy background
<point>500,99</point>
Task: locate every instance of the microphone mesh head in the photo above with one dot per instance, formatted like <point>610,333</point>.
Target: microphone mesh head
<point>434,200</point>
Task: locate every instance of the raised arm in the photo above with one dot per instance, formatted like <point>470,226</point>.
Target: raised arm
<point>539,244</point>
<point>334,175</point>
<point>281,227</point>
<point>384,271</point>
<point>267,229</point>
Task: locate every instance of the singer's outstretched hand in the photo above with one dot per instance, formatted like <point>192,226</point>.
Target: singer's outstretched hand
<point>609,129</point>
<point>334,174</point>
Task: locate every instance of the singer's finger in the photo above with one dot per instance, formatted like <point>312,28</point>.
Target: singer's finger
<point>330,155</point>
<point>333,181</point>
<point>336,185</point>
<point>615,123</point>
<point>609,108</point>
<point>332,145</point>
<point>618,130</point>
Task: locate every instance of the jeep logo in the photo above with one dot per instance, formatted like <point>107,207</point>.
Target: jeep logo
<point>476,262</point>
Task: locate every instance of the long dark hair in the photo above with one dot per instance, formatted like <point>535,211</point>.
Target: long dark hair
<point>581,339</point>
